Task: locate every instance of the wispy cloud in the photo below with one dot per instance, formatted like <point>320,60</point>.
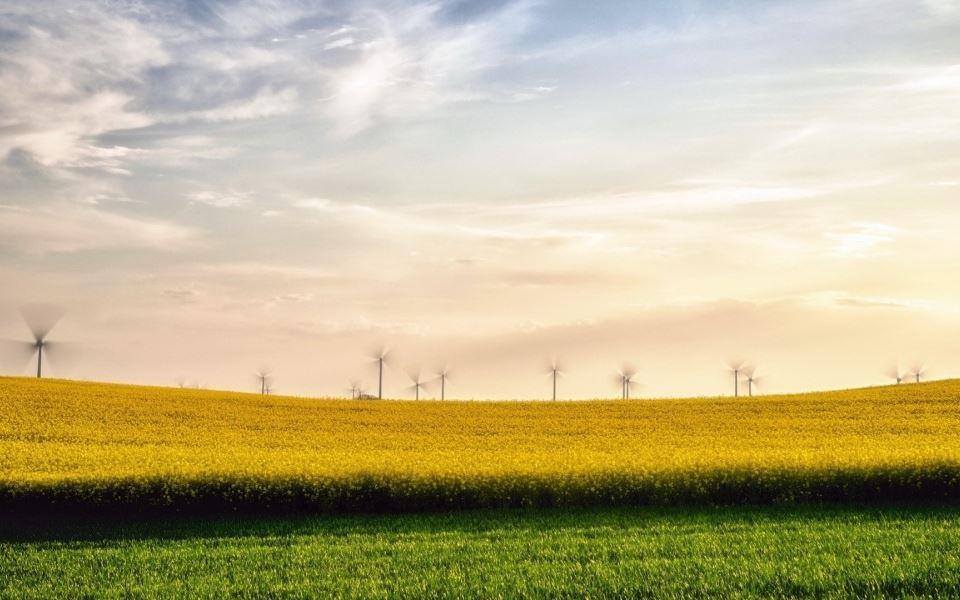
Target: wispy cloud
<point>66,76</point>
<point>864,239</point>
<point>69,229</point>
<point>264,271</point>
<point>265,103</point>
<point>227,199</point>
<point>411,63</point>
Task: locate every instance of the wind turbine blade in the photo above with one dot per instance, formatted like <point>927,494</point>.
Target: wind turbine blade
<point>17,352</point>
<point>63,355</point>
<point>379,353</point>
<point>736,364</point>
<point>41,318</point>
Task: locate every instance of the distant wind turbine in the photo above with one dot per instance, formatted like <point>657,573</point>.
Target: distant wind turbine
<point>418,383</point>
<point>752,379</point>
<point>265,379</point>
<point>736,367</point>
<point>442,376</point>
<point>625,378</point>
<point>896,374</point>
<point>555,370</point>
<point>917,372</point>
<point>355,390</point>
<point>40,319</point>
<point>380,357</point>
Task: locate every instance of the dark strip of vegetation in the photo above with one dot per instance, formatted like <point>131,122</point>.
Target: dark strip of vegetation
<point>895,485</point>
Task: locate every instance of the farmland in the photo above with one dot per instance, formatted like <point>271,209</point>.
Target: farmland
<point>112,490</point>
<point>66,445</point>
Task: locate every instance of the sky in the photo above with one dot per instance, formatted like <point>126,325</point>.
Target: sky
<point>213,187</point>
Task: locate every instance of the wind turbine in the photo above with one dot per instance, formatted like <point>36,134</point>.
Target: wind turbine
<point>896,374</point>
<point>442,375</point>
<point>418,383</point>
<point>265,379</point>
<point>752,379</point>
<point>625,376</point>
<point>555,369</point>
<point>380,357</point>
<point>736,367</point>
<point>40,319</point>
<point>355,390</point>
<point>917,372</point>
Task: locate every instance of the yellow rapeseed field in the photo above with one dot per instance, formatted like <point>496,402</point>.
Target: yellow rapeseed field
<point>95,443</point>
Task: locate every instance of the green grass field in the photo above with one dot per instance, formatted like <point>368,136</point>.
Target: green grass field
<point>732,552</point>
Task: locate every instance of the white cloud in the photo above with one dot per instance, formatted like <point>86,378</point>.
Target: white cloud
<point>261,270</point>
<point>685,197</point>
<point>64,79</point>
<point>933,80</point>
<point>861,240</point>
<point>413,65</point>
<point>314,203</point>
<point>228,199</point>
<point>267,102</point>
<point>344,42</point>
<point>532,93</point>
<point>70,228</point>
<point>943,8</point>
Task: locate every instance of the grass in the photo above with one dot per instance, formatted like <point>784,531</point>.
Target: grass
<point>744,552</point>
<point>85,446</point>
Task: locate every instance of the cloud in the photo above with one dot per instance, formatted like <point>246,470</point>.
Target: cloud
<point>229,199</point>
<point>72,76</point>
<point>531,93</point>
<point>69,229</point>
<point>944,80</point>
<point>343,42</point>
<point>685,197</point>
<point>266,103</point>
<point>367,214</point>
<point>859,302</point>
<point>66,77</point>
<point>414,62</point>
<point>184,150</point>
<point>862,240</point>
<point>263,270</point>
<point>320,204</point>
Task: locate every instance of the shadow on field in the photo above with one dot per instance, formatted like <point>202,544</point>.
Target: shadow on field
<point>98,528</point>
